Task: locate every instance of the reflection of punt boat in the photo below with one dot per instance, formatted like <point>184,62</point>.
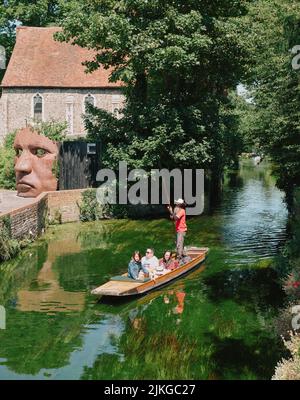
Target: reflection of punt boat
<point>124,286</point>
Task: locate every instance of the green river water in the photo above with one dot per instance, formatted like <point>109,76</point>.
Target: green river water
<point>215,323</point>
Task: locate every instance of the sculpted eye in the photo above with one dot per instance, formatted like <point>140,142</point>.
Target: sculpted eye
<point>18,152</point>
<point>40,152</point>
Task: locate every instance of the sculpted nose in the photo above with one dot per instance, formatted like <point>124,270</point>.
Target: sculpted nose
<point>23,163</point>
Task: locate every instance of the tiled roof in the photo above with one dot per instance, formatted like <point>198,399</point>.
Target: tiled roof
<point>40,61</point>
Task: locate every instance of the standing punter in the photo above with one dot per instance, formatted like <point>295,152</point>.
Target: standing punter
<point>179,216</point>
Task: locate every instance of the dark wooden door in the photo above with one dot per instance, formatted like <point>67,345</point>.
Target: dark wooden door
<point>79,163</point>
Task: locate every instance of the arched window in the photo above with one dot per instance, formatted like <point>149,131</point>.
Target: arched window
<point>89,99</point>
<point>38,107</point>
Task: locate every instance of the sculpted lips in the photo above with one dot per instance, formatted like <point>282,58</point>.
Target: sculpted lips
<point>24,186</point>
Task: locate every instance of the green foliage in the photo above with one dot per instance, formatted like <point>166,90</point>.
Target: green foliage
<point>272,29</point>
<point>8,246</point>
<point>7,155</point>
<point>233,136</point>
<point>56,131</point>
<point>289,265</point>
<point>52,129</point>
<point>289,269</point>
<point>27,12</point>
<point>165,141</point>
<point>177,60</point>
<point>90,210</point>
<point>56,218</point>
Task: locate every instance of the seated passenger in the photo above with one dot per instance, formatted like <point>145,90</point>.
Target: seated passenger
<point>150,262</point>
<point>135,266</point>
<point>185,260</point>
<point>167,262</point>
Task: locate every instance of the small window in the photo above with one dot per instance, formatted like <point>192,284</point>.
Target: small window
<point>38,107</point>
<point>89,99</point>
<point>91,148</point>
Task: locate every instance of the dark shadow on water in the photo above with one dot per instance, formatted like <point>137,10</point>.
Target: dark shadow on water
<point>235,357</point>
<point>235,180</point>
<point>116,301</point>
<point>251,287</point>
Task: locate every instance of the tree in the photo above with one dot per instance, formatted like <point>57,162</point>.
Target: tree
<point>273,29</point>
<point>177,60</point>
<point>26,12</point>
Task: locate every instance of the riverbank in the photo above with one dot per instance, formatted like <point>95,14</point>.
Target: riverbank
<point>288,322</point>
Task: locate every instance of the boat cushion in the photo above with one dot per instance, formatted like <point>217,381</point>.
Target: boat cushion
<point>126,279</point>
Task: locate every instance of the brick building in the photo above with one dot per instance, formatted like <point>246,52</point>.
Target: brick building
<point>45,80</point>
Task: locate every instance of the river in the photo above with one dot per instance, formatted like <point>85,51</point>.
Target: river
<point>215,323</point>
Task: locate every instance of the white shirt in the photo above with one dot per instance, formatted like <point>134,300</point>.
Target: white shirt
<point>152,262</point>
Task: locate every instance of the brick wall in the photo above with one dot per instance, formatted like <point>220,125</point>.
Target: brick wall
<point>30,220</point>
<point>63,204</point>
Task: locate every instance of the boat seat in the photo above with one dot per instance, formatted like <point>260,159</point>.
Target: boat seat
<point>127,279</point>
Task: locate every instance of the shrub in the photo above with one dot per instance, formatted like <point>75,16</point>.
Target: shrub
<point>7,155</point>
<point>52,129</point>
<point>290,369</point>
<point>90,209</point>
<point>56,218</point>
<point>291,284</point>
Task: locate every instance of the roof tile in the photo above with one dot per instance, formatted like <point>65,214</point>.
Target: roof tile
<point>40,61</point>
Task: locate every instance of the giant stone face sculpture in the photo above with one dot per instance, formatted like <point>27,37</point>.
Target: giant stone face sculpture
<point>34,163</point>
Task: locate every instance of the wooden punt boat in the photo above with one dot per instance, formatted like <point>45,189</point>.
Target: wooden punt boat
<point>123,286</point>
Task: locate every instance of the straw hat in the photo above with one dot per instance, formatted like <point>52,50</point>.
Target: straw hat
<point>179,201</point>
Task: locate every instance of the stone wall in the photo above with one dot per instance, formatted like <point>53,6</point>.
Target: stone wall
<point>16,106</point>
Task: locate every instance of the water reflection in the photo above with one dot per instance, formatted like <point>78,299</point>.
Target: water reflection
<point>254,216</point>
<point>45,293</point>
<point>215,323</point>
<point>48,296</point>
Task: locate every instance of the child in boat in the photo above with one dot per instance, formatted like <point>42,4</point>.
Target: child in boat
<point>135,266</point>
<point>167,262</point>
